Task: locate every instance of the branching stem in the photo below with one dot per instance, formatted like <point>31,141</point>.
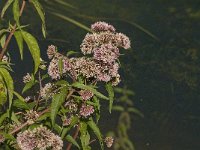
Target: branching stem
<point>3,51</point>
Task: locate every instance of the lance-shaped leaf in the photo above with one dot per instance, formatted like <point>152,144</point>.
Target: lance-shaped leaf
<point>110,90</point>
<point>3,117</point>
<point>9,84</point>
<point>96,131</point>
<point>41,13</point>
<point>3,40</point>
<point>90,88</point>
<point>85,136</point>
<point>57,101</point>
<point>33,48</point>
<point>6,6</point>
<point>74,121</point>
<point>3,93</point>
<point>19,39</point>
<point>16,11</point>
<point>72,140</point>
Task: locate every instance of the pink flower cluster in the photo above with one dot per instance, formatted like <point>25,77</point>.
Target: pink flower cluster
<point>104,46</point>
<point>39,138</point>
<point>86,110</point>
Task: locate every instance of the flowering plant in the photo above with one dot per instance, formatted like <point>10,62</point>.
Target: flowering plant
<point>68,98</point>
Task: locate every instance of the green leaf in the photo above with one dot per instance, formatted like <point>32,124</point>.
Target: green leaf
<point>57,101</point>
<point>3,40</point>
<point>74,121</point>
<point>110,90</point>
<point>19,39</point>
<point>69,53</point>
<point>60,66</point>
<point>136,111</point>
<point>96,131</point>
<point>28,86</point>
<point>3,95</point>
<point>71,21</point>
<point>3,117</point>
<point>44,116</point>
<point>8,136</point>
<point>72,140</point>
<point>16,11</point>
<point>63,3</point>
<point>118,108</point>
<point>98,105</point>
<point>19,96</point>
<point>9,84</point>
<point>41,13</point>
<point>6,6</point>
<point>20,104</point>
<point>85,136</point>
<point>2,31</point>
<point>90,88</point>
<point>33,48</point>
<point>14,118</point>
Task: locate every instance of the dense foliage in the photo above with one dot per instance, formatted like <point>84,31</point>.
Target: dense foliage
<point>62,97</point>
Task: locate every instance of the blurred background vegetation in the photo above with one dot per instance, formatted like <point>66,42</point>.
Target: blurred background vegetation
<point>162,68</point>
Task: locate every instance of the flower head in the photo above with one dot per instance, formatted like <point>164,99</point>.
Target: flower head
<point>27,78</point>
<point>46,91</point>
<point>86,94</point>
<point>51,51</point>
<point>86,110</point>
<point>109,141</point>
<point>39,138</point>
<point>5,59</point>
<point>102,27</point>
<point>31,116</point>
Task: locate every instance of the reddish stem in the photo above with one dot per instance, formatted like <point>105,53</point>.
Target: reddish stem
<point>11,33</point>
<point>74,137</point>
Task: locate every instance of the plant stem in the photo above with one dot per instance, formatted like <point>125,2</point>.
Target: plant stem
<point>74,137</point>
<point>11,33</point>
<point>40,114</point>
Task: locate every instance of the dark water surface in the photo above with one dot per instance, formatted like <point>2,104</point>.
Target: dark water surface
<point>164,72</point>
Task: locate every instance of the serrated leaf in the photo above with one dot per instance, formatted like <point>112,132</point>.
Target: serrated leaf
<point>70,139</point>
<point>9,84</point>
<point>19,39</point>
<point>110,91</point>
<point>96,131</point>
<point>85,136</point>
<point>33,48</point>
<point>6,6</point>
<point>57,101</point>
<point>98,105</point>
<point>90,88</point>
<point>3,95</point>
<point>41,13</point>
<point>16,11</point>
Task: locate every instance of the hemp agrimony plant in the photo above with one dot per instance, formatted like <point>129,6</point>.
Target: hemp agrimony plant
<point>66,107</point>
